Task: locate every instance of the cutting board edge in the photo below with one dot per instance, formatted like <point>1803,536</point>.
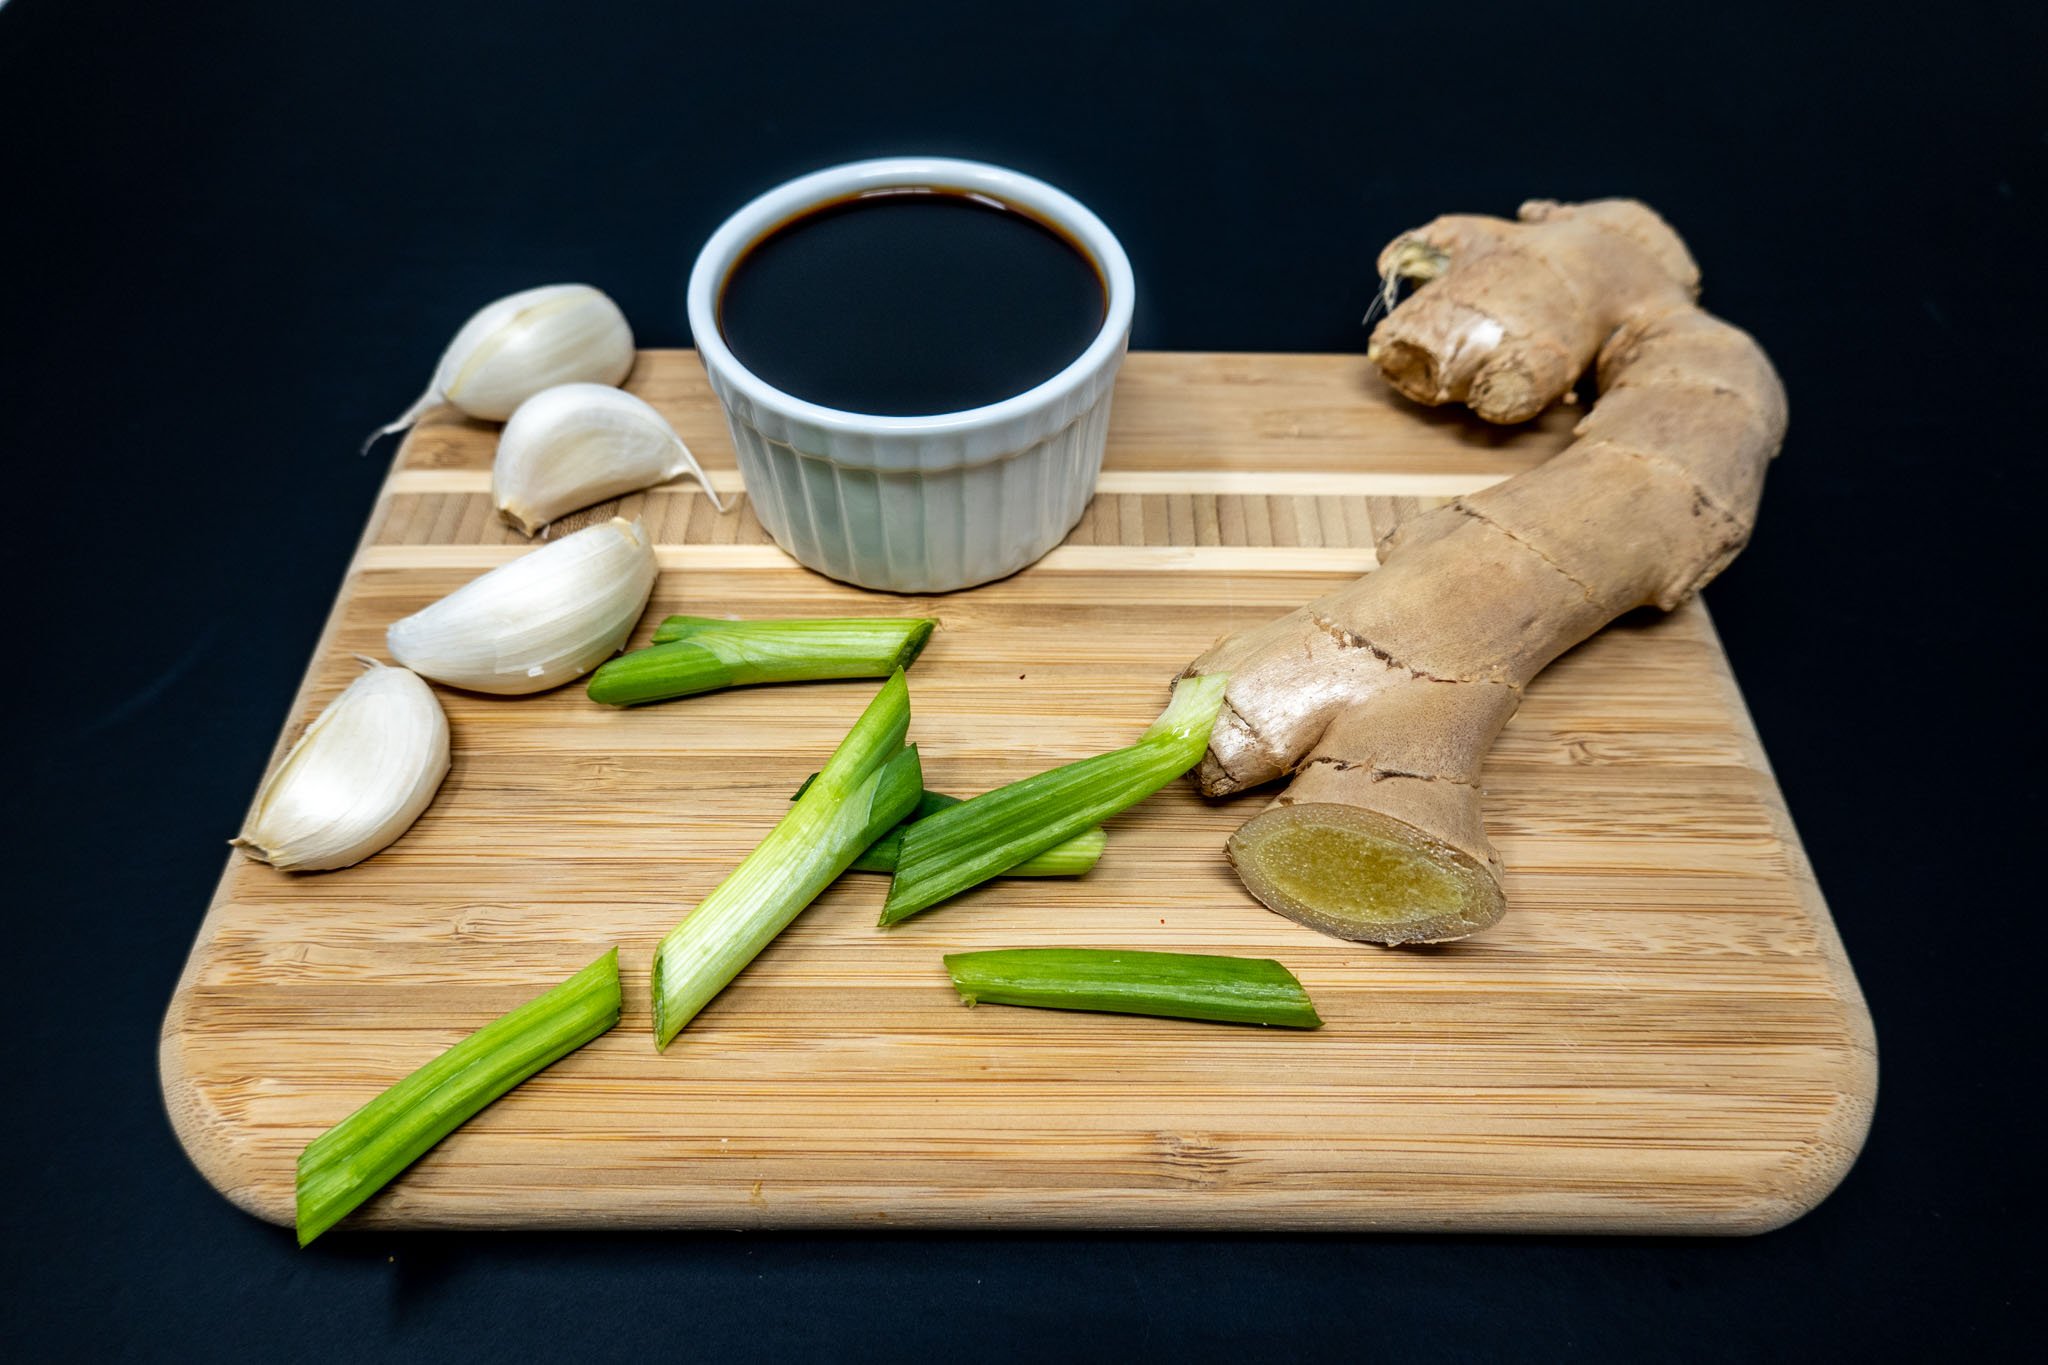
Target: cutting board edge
<point>1820,1166</point>
<point>1782,1194</point>
<point>208,1139</point>
<point>193,1120</point>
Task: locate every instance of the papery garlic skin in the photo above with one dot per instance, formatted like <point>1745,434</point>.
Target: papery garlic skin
<point>577,444</point>
<point>549,616</point>
<point>523,343</point>
<point>356,780</point>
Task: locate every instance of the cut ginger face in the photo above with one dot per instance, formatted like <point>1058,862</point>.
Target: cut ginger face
<point>1359,875</point>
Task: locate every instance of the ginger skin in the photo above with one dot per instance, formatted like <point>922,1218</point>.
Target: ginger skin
<point>1382,699</point>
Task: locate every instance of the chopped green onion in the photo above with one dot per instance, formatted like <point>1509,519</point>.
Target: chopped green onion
<point>693,654</point>
<point>878,628</point>
<point>871,782</point>
<point>985,836</point>
<point>1232,990</point>
<point>360,1155</point>
<point>1074,858</point>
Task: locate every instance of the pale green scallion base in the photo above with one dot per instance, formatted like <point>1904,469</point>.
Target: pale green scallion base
<point>871,782</point>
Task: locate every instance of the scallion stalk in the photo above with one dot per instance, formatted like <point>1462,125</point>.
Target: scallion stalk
<point>871,782</point>
<point>984,836</point>
<point>360,1155</point>
<point>694,654</point>
<point>1074,858</point>
<point>1232,990</point>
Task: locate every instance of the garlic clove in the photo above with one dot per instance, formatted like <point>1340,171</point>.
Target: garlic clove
<point>356,780</point>
<point>577,444</point>
<point>547,617</point>
<point>523,343</point>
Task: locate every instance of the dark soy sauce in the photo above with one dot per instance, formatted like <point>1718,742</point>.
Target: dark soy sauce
<point>911,303</point>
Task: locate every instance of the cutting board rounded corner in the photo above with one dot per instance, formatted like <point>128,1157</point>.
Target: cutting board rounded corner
<point>207,1137</point>
<point>1806,1176</point>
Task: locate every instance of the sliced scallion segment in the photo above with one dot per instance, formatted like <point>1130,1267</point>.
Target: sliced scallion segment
<point>1232,990</point>
<point>360,1155</point>
<point>961,846</point>
<point>1074,858</point>
<point>693,654</point>
<point>871,782</point>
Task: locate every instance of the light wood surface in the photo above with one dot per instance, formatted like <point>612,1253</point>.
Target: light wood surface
<point>1663,1035</point>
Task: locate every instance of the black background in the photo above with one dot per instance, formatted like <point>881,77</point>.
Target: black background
<point>237,234</point>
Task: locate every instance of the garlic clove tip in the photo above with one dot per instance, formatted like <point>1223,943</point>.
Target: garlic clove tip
<point>359,776</point>
<point>575,445</point>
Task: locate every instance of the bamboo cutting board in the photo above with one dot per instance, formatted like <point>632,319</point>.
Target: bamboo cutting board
<point>1662,1036</point>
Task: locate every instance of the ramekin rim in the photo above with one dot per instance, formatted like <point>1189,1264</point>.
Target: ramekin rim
<point>763,212</point>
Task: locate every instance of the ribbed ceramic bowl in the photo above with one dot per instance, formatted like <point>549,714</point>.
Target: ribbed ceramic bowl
<point>917,504</point>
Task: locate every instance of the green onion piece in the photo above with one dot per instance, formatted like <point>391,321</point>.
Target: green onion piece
<point>871,782</point>
<point>1074,858</point>
<point>677,627</point>
<point>1232,990</point>
<point>985,836</point>
<point>360,1155</point>
<point>693,654</point>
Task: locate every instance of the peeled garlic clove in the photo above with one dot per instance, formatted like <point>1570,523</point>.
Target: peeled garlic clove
<point>523,343</point>
<point>577,444</point>
<point>550,615</point>
<point>356,780</point>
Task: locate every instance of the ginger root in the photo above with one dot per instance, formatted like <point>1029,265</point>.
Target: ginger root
<point>1383,698</point>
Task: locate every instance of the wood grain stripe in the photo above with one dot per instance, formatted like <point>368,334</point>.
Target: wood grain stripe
<point>422,517</point>
<point>1064,559</point>
<point>1297,483</point>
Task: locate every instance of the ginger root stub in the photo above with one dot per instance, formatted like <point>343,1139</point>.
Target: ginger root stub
<point>1382,699</point>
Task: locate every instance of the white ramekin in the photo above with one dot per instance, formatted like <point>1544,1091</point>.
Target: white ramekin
<point>917,504</point>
